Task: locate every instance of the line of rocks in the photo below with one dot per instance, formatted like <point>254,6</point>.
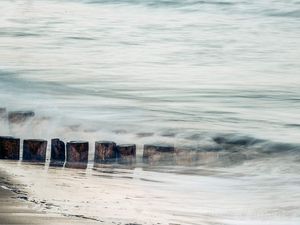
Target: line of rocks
<point>74,154</point>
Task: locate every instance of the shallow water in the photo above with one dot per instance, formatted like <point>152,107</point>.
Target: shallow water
<point>216,76</point>
<point>199,195</point>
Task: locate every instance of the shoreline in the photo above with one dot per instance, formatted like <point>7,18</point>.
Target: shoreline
<point>16,209</point>
<point>227,195</point>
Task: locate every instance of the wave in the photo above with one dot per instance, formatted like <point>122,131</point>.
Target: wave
<point>244,7</point>
<point>162,3</point>
<point>238,143</point>
<point>229,150</point>
<point>243,146</point>
<point>292,14</point>
<point>12,82</point>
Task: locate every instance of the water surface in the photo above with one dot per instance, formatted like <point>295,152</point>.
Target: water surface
<point>218,76</point>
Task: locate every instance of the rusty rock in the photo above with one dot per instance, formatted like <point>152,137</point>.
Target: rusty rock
<point>158,153</point>
<point>9,148</point>
<point>105,152</point>
<point>20,116</point>
<point>34,150</point>
<point>126,153</point>
<point>77,154</point>
<point>58,151</point>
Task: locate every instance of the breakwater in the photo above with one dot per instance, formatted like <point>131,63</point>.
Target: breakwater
<point>75,153</point>
<point>80,150</point>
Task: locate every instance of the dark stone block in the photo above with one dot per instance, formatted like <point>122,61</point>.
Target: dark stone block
<point>158,153</point>
<point>126,153</point>
<point>105,152</point>
<point>34,150</point>
<point>188,156</point>
<point>2,112</point>
<point>9,148</point>
<point>58,151</point>
<point>20,116</point>
<point>77,154</point>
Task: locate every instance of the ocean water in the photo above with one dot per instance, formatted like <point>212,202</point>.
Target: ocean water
<point>217,76</point>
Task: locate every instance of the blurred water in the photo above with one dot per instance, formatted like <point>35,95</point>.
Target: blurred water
<point>214,75</point>
<point>189,67</point>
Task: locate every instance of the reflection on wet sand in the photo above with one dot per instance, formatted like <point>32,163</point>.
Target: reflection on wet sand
<point>156,194</point>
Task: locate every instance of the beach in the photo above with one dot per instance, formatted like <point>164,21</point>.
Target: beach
<point>15,208</point>
<point>185,195</point>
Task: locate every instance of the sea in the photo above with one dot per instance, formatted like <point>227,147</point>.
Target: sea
<point>217,77</point>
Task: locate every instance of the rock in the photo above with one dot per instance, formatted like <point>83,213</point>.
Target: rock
<point>154,154</point>
<point>105,152</point>
<point>20,116</point>
<point>187,156</point>
<point>34,150</point>
<point>77,154</point>
<point>58,152</point>
<point>2,112</point>
<point>126,153</point>
<point>9,148</point>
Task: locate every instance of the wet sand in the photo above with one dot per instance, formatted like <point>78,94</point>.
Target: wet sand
<point>239,195</point>
<point>15,209</point>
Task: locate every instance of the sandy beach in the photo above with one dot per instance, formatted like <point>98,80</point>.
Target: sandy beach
<point>39,194</point>
<point>16,209</point>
